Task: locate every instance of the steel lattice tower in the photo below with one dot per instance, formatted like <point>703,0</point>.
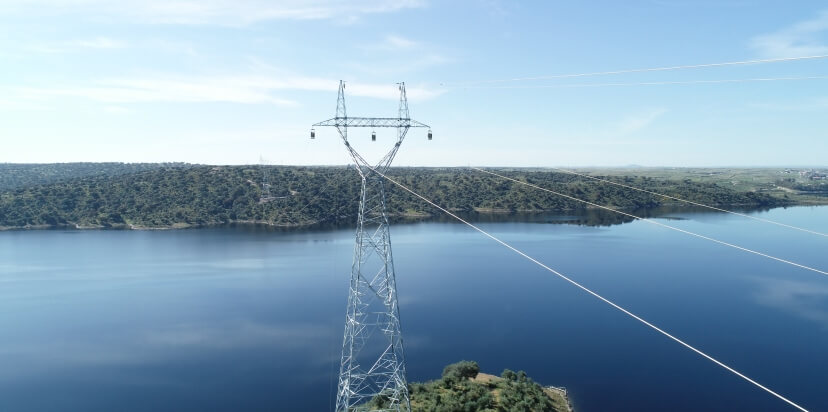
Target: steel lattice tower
<point>373,361</point>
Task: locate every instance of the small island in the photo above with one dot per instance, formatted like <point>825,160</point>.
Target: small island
<point>463,388</point>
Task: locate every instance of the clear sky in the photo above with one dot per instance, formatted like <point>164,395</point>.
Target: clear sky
<point>228,81</point>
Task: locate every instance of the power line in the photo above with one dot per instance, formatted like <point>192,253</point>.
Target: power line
<point>313,200</point>
<point>663,83</point>
<point>658,223</point>
<point>641,70</point>
<point>605,300</point>
<point>690,202</point>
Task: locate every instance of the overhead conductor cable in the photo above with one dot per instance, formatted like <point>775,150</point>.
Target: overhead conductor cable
<point>652,83</point>
<point>587,290</point>
<point>690,202</point>
<point>721,242</point>
<point>642,70</point>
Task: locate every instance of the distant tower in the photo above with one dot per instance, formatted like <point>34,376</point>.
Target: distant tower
<point>373,362</point>
<point>266,195</point>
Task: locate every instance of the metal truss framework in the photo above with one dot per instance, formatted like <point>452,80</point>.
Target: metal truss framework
<point>371,122</point>
<point>373,360</point>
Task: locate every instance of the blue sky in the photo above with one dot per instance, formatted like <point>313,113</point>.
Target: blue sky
<point>228,81</point>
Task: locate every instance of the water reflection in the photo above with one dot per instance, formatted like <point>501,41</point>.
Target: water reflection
<point>580,217</point>
<point>244,318</point>
<point>802,299</point>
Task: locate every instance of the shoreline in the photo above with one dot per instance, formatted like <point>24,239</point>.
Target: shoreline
<point>412,218</point>
<point>561,392</point>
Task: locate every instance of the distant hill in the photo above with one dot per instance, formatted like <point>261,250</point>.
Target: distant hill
<point>14,175</point>
<point>178,195</point>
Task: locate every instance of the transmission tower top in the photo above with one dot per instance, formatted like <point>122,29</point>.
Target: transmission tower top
<point>342,121</point>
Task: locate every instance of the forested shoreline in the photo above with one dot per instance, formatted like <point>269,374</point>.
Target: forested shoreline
<point>113,195</point>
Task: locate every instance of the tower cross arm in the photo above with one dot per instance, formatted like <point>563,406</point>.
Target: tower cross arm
<point>370,122</point>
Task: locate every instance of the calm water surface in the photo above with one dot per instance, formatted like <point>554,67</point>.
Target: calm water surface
<point>231,319</point>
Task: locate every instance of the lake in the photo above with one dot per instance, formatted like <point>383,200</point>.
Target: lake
<point>247,318</point>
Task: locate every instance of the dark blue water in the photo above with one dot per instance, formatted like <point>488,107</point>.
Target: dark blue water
<point>247,319</point>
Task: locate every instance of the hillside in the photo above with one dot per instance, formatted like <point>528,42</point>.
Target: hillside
<point>805,185</point>
<point>16,175</point>
<point>166,196</point>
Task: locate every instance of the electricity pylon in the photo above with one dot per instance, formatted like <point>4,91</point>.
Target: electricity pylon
<point>266,195</point>
<point>373,361</point>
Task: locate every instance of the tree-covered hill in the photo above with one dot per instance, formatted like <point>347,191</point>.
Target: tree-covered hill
<point>15,175</point>
<point>181,196</point>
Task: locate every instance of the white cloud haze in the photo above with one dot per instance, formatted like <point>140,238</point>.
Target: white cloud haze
<point>806,38</point>
<point>215,12</point>
<point>246,89</point>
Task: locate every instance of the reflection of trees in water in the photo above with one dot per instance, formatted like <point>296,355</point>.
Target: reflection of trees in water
<point>589,217</point>
<point>580,217</point>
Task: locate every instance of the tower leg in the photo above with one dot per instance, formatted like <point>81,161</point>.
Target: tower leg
<point>373,361</point>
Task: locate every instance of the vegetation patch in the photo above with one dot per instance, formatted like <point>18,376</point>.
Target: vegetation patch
<point>462,388</point>
<point>179,196</point>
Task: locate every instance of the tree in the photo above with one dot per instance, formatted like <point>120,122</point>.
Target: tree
<point>509,375</point>
<point>461,370</point>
